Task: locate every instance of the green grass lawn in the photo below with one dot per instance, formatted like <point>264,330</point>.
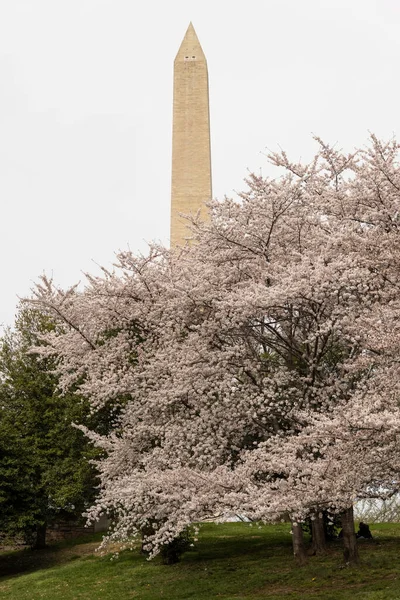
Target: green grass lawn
<point>231,562</point>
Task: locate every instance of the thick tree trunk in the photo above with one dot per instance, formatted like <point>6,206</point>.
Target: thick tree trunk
<point>299,550</point>
<point>350,550</point>
<point>40,541</point>
<point>318,545</point>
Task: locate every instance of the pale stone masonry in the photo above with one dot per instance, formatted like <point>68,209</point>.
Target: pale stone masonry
<point>191,154</point>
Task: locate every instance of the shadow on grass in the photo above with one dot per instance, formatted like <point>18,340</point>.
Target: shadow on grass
<point>240,540</point>
<point>245,547</point>
<point>18,562</point>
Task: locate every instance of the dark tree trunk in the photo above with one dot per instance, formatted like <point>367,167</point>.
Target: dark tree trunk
<point>40,540</point>
<point>350,550</point>
<point>318,545</point>
<point>299,550</point>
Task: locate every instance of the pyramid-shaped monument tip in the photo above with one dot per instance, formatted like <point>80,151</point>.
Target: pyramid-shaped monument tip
<point>190,48</point>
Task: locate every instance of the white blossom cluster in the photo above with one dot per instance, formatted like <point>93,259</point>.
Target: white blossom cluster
<point>255,370</point>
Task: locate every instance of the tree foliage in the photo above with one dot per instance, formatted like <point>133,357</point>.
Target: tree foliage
<point>258,365</point>
<point>45,471</point>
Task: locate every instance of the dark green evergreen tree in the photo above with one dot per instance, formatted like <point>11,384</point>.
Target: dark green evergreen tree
<point>45,468</point>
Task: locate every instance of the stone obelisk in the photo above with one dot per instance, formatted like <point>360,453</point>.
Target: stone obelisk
<point>191,153</point>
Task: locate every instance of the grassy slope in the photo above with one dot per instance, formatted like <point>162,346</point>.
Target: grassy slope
<point>230,561</point>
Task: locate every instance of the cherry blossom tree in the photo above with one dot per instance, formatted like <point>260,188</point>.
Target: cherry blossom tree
<point>254,370</point>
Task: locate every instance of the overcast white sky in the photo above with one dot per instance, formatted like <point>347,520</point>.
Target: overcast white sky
<point>86,112</point>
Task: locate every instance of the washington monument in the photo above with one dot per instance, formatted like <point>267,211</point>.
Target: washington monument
<point>191,154</point>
